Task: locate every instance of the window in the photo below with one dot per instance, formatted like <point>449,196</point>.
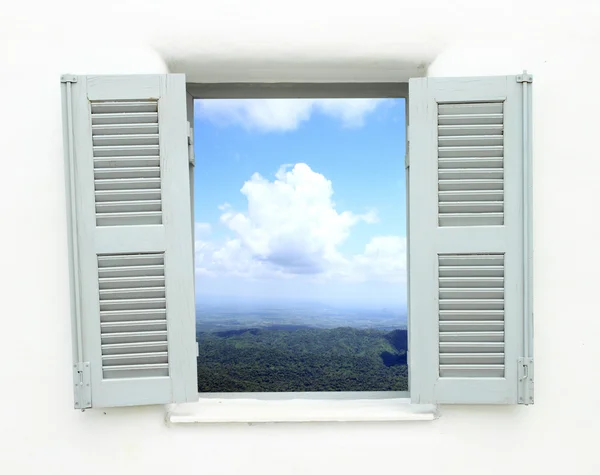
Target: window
<point>300,208</point>
<point>129,166</point>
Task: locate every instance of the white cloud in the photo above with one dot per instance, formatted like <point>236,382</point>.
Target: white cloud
<point>202,229</point>
<point>291,228</point>
<point>384,257</point>
<point>283,114</point>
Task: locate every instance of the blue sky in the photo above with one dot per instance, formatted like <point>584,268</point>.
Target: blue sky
<point>303,199</point>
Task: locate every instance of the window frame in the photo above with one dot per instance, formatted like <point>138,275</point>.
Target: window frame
<point>306,90</point>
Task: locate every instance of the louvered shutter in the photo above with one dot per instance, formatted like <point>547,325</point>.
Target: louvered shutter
<point>129,193</point>
<point>469,240</point>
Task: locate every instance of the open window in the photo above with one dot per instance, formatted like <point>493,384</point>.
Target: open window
<point>129,164</point>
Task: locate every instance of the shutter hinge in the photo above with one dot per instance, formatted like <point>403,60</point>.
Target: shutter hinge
<point>68,78</point>
<point>406,160</point>
<point>524,77</point>
<point>83,387</point>
<point>525,383</point>
<point>190,137</point>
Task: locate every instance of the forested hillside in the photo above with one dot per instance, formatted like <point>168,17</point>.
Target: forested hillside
<point>302,359</point>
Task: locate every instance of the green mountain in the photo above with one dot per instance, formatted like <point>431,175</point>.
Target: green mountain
<point>302,359</point>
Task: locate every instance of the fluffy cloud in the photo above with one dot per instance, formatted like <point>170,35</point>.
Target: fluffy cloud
<point>283,114</point>
<point>292,228</point>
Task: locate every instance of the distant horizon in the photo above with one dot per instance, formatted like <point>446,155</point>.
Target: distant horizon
<point>232,299</point>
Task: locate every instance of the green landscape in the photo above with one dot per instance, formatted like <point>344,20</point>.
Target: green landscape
<point>285,358</point>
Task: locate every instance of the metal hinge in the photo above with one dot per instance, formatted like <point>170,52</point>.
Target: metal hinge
<point>68,78</point>
<point>190,136</point>
<point>406,160</point>
<point>83,387</point>
<point>525,383</point>
<point>524,77</point>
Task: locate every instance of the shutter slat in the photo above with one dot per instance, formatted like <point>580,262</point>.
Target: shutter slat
<point>471,128</point>
<point>113,119</point>
<point>124,206</point>
<point>136,371</point>
<point>472,371</point>
<point>466,163</point>
<point>126,107</point>
<point>471,108</point>
<point>470,195</point>
<point>470,336</point>
<point>133,315</point>
<point>135,358</point>
<point>473,271</point>
<point>469,119</point>
<point>471,304</point>
<point>471,174</point>
<point>126,129</point>
<point>471,347</point>
<point>134,348</point>
<point>123,139</point>
<point>471,282</point>
<point>476,218</point>
<point>114,151</point>
<point>126,172</point>
<point>471,358</point>
<point>126,161</point>
<point>133,326</point>
<point>450,207</point>
<point>471,184</point>
<point>103,196</point>
<point>471,326</point>
<point>132,293</point>
<point>469,141</point>
<point>471,315</point>
<point>125,219</point>
<point>127,184</point>
<point>475,151</point>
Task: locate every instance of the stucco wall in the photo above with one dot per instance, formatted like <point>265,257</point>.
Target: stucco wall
<point>299,40</point>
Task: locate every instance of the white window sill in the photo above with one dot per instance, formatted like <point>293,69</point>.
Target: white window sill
<point>240,408</point>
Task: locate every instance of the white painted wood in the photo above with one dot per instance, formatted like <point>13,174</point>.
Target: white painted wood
<point>433,301</point>
<point>249,410</point>
<point>136,281</point>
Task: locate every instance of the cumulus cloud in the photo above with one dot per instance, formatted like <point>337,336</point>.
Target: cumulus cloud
<point>283,114</point>
<point>291,227</point>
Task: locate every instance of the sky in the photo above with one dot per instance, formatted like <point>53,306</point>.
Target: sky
<point>301,199</point>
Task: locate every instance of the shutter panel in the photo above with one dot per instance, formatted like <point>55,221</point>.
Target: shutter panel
<point>127,157</point>
<point>469,240</point>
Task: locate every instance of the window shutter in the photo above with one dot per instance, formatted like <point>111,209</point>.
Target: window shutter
<point>131,253</point>
<point>470,240</point>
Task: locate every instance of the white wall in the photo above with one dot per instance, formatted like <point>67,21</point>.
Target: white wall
<point>299,40</point>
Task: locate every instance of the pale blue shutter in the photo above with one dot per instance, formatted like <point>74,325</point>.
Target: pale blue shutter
<point>470,240</point>
<point>129,201</point>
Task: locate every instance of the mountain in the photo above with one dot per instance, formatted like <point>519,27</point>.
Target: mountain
<point>299,358</point>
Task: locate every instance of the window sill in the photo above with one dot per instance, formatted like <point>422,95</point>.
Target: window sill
<point>238,408</point>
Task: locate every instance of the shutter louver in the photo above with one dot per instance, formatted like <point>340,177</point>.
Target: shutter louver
<point>471,313</point>
<point>126,163</point>
<point>470,164</point>
<point>467,202</point>
<point>133,316</point>
<point>131,259</point>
